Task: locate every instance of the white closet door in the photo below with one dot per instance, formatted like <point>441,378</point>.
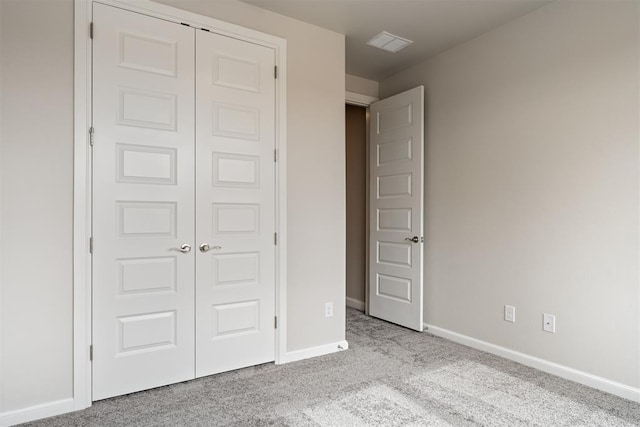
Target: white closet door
<point>396,210</point>
<point>143,209</point>
<point>235,136</point>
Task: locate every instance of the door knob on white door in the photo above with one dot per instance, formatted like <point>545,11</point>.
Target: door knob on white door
<point>185,249</point>
<point>206,248</point>
<point>414,239</point>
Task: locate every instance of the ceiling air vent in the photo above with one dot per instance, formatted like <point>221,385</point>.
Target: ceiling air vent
<point>389,42</point>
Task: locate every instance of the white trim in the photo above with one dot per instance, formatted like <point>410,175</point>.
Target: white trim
<point>355,303</point>
<point>36,412</point>
<point>585,378</point>
<point>81,208</point>
<point>173,14</point>
<point>638,301</point>
<point>359,99</point>
<point>2,398</point>
<point>281,203</point>
<point>321,350</point>
<point>367,201</point>
<point>82,173</point>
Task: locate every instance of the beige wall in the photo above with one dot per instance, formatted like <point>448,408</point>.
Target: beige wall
<point>36,175</point>
<point>361,85</point>
<point>532,185</point>
<point>37,179</point>
<point>356,145</point>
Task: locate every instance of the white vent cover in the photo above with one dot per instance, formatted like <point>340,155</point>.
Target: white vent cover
<point>389,42</point>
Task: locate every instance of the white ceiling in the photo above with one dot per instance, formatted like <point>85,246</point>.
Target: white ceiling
<point>433,25</point>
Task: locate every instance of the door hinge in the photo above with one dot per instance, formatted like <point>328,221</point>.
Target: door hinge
<point>90,245</point>
<point>275,322</point>
<point>275,238</point>
<point>275,72</point>
<point>275,155</point>
<point>91,353</point>
<point>91,135</point>
<point>91,30</point>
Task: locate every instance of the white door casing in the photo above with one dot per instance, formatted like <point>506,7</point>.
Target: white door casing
<point>396,165</point>
<point>235,204</point>
<point>143,210</point>
<point>83,271</point>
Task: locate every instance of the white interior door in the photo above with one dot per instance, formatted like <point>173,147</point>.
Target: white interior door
<point>396,165</point>
<point>235,204</point>
<point>143,206</point>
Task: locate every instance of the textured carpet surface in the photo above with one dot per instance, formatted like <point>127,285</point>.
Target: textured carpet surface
<point>390,376</point>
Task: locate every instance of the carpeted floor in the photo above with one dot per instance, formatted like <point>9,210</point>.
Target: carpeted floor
<point>390,376</point>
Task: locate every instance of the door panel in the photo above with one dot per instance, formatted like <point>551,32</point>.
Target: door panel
<point>396,209</point>
<point>235,188</point>
<point>143,291</point>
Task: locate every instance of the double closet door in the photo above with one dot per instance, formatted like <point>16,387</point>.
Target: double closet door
<point>183,203</point>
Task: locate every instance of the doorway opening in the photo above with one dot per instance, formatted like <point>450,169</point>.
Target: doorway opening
<point>384,208</point>
<point>357,229</point>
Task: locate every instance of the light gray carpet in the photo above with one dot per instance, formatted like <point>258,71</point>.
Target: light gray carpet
<point>390,376</point>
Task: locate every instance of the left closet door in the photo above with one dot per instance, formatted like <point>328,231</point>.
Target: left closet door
<point>143,206</point>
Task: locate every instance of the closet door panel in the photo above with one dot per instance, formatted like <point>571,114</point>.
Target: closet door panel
<point>143,207</point>
<point>235,204</point>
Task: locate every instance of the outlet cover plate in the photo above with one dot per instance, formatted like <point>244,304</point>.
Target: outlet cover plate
<point>328,309</point>
<point>549,323</point>
<point>510,313</point>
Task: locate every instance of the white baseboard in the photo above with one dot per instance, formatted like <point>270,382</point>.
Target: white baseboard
<point>585,378</point>
<point>354,303</point>
<point>307,353</point>
<point>36,412</point>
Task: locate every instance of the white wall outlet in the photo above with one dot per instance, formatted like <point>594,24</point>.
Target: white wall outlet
<point>510,313</point>
<point>549,323</point>
<point>328,309</point>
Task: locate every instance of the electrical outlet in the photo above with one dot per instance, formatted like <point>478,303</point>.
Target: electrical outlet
<point>510,313</point>
<point>328,309</point>
<point>549,323</point>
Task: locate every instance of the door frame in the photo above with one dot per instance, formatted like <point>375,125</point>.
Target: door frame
<point>365,101</point>
<point>82,195</point>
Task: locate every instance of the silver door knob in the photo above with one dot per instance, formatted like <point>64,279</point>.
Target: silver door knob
<point>185,249</point>
<point>414,239</point>
<point>206,248</point>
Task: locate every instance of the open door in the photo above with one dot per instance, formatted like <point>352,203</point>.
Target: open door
<point>396,211</point>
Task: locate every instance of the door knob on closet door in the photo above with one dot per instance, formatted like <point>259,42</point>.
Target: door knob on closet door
<point>185,249</point>
<point>206,248</point>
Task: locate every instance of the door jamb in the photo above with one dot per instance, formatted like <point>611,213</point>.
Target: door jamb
<point>82,226</point>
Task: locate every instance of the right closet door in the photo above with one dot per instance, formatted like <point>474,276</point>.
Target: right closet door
<point>235,203</point>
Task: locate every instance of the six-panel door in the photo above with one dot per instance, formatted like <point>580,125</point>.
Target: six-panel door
<point>396,209</point>
<point>160,304</point>
<point>235,203</point>
<point>143,202</point>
